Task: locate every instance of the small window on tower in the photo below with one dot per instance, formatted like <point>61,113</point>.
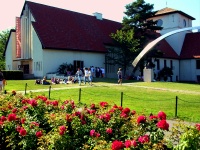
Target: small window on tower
<point>159,22</point>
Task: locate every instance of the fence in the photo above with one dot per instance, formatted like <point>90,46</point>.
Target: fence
<point>123,96</point>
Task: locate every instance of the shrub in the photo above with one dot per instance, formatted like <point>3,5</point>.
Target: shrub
<point>40,123</point>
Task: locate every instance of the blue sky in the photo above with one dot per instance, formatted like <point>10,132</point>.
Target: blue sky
<point>112,10</point>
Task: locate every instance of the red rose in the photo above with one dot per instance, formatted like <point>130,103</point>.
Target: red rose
<point>33,102</point>
<point>12,117</point>
<point>62,128</point>
<point>23,120</point>
<point>55,103</point>
<point>133,143</point>
<point>22,132</point>
<point>141,119</point>
<point>92,132</point>
<point>38,134</point>
<point>103,104</point>
<point>109,130</point>
<point>127,143</point>
<point>126,110</point>
<point>163,125</point>
<point>117,145</point>
<point>3,118</point>
<point>143,139</point>
<point>198,126</point>
<point>162,115</point>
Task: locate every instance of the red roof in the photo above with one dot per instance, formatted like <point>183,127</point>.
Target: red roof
<point>191,46</point>
<point>67,30</point>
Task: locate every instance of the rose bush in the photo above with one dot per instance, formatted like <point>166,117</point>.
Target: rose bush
<point>40,123</point>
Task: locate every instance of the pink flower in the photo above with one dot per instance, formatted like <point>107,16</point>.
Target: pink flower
<point>133,143</point>
<point>162,115</point>
<point>141,119</point>
<point>126,110</point>
<point>133,112</point>
<point>14,110</point>
<point>68,118</point>
<point>23,120</point>
<point>103,104</point>
<point>22,132</point>
<point>127,143</point>
<point>109,130</point>
<point>55,103</point>
<point>117,145</point>
<point>3,118</point>
<point>33,102</point>
<point>92,106</point>
<point>38,134</point>
<point>198,126</point>
<point>92,132</point>
<point>163,125</point>
<point>152,117</point>
<point>62,128</point>
<point>143,139</point>
<point>18,128</point>
<point>12,117</point>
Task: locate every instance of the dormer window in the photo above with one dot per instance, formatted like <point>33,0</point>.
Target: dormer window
<point>184,23</point>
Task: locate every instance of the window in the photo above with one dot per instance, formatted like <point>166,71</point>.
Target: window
<point>159,22</point>
<point>197,64</point>
<point>158,64</point>
<point>184,23</point>
<point>165,63</point>
<point>171,64</point>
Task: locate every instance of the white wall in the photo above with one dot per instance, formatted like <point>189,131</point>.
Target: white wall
<point>52,59</point>
<point>37,52</point>
<point>188,71</point>
<point>11,53</point>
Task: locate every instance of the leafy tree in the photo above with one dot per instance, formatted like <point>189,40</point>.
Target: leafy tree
<point>138,23</point>
<point>3,39</point>
<point>125,51</point>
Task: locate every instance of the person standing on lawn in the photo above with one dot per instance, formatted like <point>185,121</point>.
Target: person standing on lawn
<point>79,73</point>
<point>1,80</point>
<point>119,73</point>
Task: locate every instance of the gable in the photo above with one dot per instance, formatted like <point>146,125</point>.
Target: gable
<point>67,30</point>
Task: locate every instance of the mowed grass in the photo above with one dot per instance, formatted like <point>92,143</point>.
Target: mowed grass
<point>140,96</point>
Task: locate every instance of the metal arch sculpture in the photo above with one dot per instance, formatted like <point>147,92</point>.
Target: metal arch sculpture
<point>153,43</point>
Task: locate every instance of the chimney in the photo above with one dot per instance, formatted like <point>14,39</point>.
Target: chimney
<point>98,15</point>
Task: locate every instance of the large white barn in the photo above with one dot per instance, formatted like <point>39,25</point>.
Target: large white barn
<point>46,37</point>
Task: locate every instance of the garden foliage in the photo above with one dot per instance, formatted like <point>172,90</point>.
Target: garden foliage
<point>28,122</point>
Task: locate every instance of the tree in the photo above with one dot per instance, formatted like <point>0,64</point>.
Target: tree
<point>3,39</point>
<point>125,51</point>
<point>137,22</point>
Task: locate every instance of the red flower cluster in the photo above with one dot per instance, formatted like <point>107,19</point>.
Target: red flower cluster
<point>117,145</point>
<point>62,130</point>
<point>109,130</point>
<point>141,119</point>
<point>103,104</point>
<point>38,134</point>
<point>198,126</point>
<point>130,143</point>
<point>162,115</point>
<point>12,117</point>
<point>93,133</point>
<point>163,125</point>
<point>143,139</point>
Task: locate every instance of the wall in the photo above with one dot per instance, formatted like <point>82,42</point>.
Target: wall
<point>52,63</point>
<point>188,71</point>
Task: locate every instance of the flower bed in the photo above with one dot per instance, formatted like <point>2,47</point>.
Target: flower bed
<point>40,123</point>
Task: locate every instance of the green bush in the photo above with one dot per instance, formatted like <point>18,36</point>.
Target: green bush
<point>13,74</point>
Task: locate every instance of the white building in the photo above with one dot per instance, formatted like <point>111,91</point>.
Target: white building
<point>46,37</point>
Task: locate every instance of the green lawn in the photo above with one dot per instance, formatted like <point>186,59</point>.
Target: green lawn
<point>140,96</point>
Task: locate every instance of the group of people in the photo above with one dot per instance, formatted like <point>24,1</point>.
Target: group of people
<point>87,74</point>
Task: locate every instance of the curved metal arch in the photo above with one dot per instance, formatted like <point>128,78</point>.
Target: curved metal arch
<point>153,43</point>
